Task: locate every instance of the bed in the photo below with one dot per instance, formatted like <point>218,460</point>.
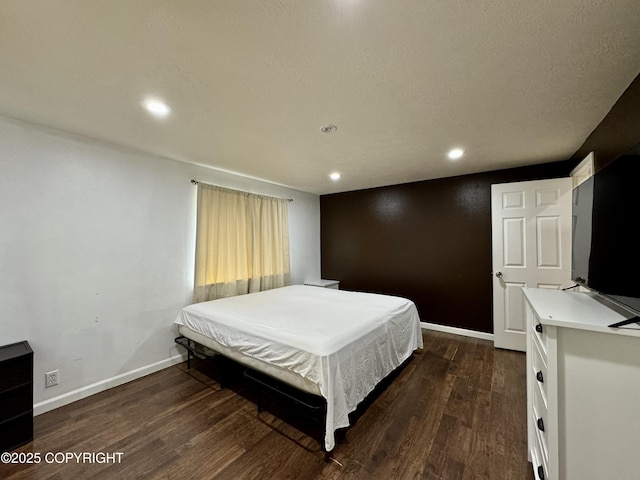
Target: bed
<point>333,343</point>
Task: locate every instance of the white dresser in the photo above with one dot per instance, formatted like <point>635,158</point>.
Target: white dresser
<point>583,389</point>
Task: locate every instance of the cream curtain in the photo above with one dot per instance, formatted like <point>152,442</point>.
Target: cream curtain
<point>242,243</point>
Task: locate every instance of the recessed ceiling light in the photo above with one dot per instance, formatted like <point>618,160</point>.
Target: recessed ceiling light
<point>156,107</point>
<point>455,153</point>
<point>328,129</point>
<point>335,176</point>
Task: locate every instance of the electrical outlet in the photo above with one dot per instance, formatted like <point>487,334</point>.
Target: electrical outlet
<point>51,378</point>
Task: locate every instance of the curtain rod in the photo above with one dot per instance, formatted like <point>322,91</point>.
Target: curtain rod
<point>195,182</point>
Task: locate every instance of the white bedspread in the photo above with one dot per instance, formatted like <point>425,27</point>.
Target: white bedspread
<point>346,342</point>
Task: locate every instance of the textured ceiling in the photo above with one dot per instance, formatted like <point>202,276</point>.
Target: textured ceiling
<point>251,82</point>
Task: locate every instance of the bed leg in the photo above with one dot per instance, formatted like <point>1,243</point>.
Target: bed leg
<point>189,358</point>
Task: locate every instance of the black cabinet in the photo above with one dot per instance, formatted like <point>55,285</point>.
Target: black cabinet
<point>16,395</point>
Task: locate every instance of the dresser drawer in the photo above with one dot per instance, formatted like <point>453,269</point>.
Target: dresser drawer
<point>15,432</point>
<point>539,333</point>
<point>541,422</point>
<point>16,372</point>
<point>15,402</point>
<point>540,468</point>
<point>539,371</point>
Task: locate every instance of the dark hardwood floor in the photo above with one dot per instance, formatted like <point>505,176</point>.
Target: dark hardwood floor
<point>456,410</point>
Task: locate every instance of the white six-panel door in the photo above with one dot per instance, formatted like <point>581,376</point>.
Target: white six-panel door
<point>531,243</point>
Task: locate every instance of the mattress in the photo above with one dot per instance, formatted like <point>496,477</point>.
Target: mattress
<point>341,343</point>
<point>284,375</point>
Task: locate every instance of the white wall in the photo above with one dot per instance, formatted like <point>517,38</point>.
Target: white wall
<point>96,254</point>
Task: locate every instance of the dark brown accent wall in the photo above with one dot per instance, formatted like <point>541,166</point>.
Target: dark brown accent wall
<point>428,241</point>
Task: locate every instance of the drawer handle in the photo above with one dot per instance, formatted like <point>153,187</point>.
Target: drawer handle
<point>539,377</point>
<point>541,472</point>
<point>540,425</point>
<point>539,327</point>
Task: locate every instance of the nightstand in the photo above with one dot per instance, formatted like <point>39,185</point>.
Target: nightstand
<point>16,395</point>
<point>335,284</point>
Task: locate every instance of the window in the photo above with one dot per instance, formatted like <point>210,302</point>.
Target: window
<point>242,243</point>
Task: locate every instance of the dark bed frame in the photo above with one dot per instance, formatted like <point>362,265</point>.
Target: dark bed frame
<point>312,406</point>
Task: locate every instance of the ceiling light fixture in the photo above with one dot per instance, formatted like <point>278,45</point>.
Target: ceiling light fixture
<point>156,107</point>
<point>335,176</point>
<point>455,153</point>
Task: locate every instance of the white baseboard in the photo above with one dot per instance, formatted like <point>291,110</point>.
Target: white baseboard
<point>75,395</point>
<point>457,331</point>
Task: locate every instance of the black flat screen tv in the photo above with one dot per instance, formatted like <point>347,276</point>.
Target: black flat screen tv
<point>605,238</point>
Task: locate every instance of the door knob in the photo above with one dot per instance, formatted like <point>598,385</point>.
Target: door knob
<point>499,274</point>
